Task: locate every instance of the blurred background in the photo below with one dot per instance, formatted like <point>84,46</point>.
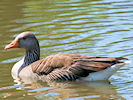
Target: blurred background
<point>87,27</point>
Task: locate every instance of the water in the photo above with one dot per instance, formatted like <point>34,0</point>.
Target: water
<point>87,27</point>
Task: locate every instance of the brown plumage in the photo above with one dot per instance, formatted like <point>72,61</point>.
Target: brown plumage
<point>59,67</point>
<point>71,66</point>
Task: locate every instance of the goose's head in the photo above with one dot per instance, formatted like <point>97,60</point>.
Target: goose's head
<point>25,40</point>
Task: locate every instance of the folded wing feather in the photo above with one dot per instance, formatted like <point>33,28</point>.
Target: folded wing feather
<point>70,66</point>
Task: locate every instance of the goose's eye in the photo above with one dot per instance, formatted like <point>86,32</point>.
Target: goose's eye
<point>23,38</point>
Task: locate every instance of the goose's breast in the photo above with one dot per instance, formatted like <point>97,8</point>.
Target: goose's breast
<point>16,67</point>
<point>26,72</point>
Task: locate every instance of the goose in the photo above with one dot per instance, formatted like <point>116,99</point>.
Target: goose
<point>61,67</point>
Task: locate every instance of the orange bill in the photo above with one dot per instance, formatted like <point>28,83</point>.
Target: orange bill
<point>13,44</point>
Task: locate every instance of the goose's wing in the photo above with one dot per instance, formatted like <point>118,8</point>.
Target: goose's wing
<point>48,64</point>
<point>64,67</point>
<point>75,71</point>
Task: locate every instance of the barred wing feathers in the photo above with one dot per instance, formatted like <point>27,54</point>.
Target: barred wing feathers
<point>68,67</point>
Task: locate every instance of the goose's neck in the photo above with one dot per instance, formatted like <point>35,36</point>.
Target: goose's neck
<point>30,57</point>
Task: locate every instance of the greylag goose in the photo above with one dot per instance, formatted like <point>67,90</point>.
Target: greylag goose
<point>61,67</point>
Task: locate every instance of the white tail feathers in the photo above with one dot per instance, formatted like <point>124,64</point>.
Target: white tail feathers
<point>107,73</point>
<point>127,62</point>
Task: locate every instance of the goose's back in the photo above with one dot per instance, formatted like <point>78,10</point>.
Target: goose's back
<point>71,66</point>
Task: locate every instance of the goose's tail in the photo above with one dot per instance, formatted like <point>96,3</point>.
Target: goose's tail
<point>107,73</point>
<point>125,61</point>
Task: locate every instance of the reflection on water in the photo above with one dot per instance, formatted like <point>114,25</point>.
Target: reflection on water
<point>88,27</point>
<point>68,91</point>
